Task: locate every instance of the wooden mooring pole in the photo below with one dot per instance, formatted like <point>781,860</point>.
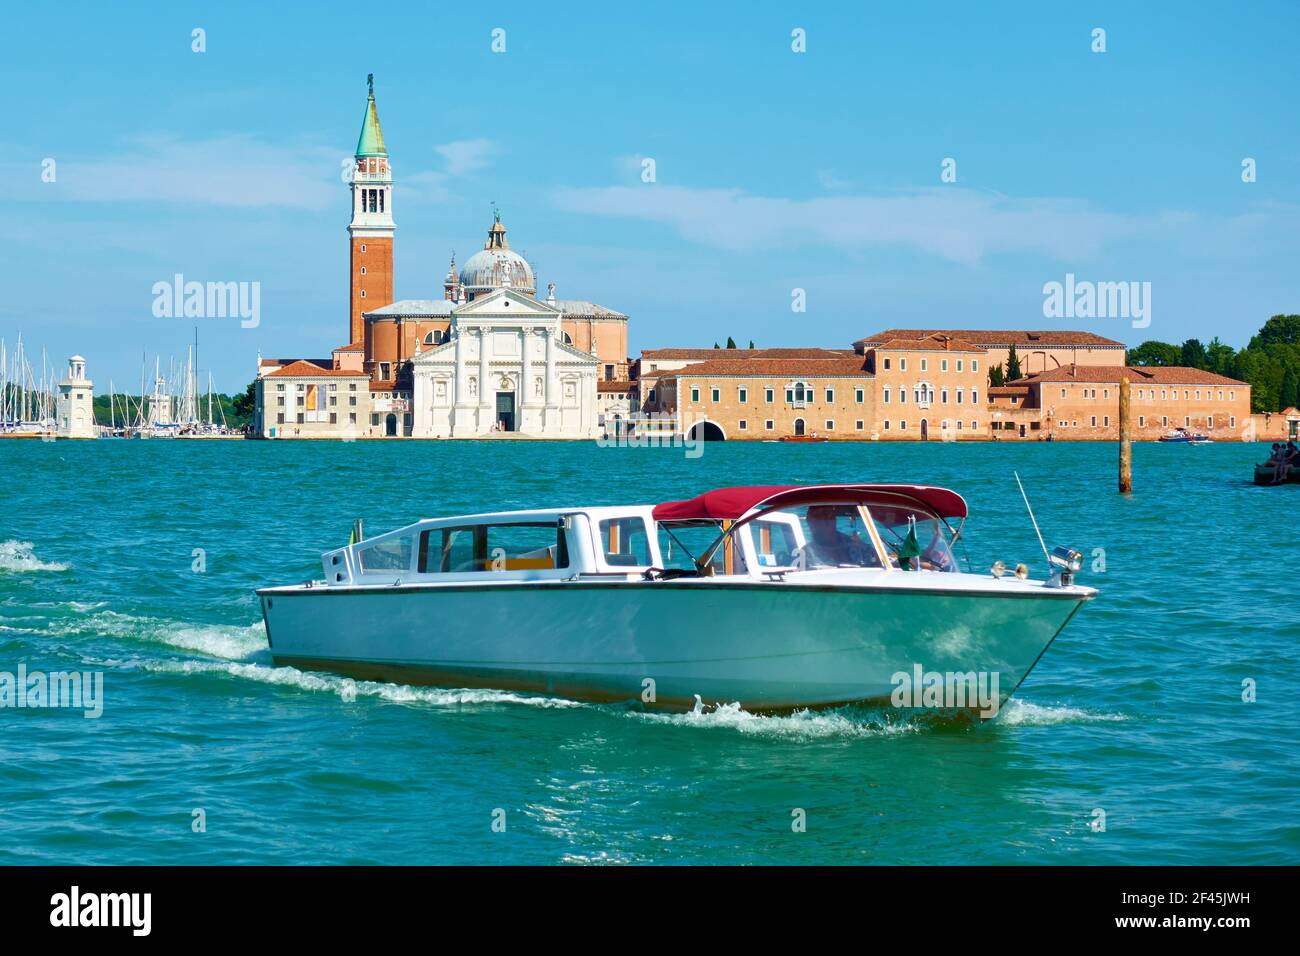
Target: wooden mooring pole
<point>1125,440</point>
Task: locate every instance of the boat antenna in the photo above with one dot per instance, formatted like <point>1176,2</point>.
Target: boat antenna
<point>1041,544</point>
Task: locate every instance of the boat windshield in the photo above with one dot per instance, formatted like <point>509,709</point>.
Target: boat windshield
<point>931,552</point>
<point>814,536</point>
<point>837,536</point>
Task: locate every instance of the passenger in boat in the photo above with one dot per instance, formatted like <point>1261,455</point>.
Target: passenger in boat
<point>830,546</point>
<point>1288,457</point>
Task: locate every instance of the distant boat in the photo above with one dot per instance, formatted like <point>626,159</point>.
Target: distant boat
<point>1181,436</point>
<point>1264,475</point>
<point>805,438</point>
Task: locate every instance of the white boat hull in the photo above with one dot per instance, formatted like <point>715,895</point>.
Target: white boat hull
<point>770,646</point>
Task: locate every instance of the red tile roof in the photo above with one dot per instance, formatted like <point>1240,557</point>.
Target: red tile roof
<point>707,354</point>
<point>1008,390</point>
<point>935,343</point>
<point>999,338</point>
<point>844,365</point>
<point>615,386</point>
<point>305,369</point>
<point>352,347</point>
<point>1143,375</point>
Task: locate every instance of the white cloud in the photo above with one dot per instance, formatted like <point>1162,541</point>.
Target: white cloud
<point>957,224</point>
<point>466,155</point>
<point>224,171</point>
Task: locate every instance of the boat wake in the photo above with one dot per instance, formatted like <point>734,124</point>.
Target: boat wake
<point>1024,713</point>
<point>800,725</point>
<point>18,557</point>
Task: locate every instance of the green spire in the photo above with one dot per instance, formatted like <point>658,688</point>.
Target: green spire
<point>371,142</point>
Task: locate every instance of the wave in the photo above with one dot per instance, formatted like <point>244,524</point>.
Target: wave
<point>800,725</point>
<point>349,690</point>
<point>18,557</point>
<point>1017,712</point>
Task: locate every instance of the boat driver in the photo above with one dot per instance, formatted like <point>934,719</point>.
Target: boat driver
<point>830,546</point>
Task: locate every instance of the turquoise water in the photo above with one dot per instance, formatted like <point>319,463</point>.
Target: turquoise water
<point>1136,710</point>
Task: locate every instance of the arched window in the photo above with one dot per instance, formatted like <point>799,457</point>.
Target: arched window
<point>798,393</point>
<point>923,393</point>
<point>434,338</point>
<point>566,338</point>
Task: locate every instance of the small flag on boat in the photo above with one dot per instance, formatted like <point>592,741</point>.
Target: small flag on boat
<point>355,536</point>
<point>910,548</point>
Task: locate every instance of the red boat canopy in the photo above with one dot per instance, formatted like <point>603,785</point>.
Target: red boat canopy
<point>725,504</point>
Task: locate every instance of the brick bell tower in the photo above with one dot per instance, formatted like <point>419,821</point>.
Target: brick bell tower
<point>370,233</point>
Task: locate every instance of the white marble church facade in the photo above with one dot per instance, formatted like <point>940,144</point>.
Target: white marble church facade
<point>505,367</point>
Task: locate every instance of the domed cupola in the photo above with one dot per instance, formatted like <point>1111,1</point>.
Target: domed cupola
<point>496,265</point>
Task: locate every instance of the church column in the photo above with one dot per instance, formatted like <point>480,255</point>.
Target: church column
<point>485,394</point>
<point>526,375</point>
<point>552,394</point>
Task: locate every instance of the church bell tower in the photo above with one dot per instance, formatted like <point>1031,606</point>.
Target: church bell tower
<point>370,233</point>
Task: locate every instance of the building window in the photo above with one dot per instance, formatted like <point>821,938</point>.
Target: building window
<point>1164,421</point>
<point>943,396</point>
<point>742,394</point>
<point>959,424</point>
<point>1232,396</point>
<point>352,399</point>
<point>902,365</point>
<point>1094,421</point>
<point>743,425</point>
<point>769,394</point>
<point>279,386</point>
<point>1187,421</point>
<point>353,386</point>
<point>1142,421</point>
<point>334,418</point>
<point>695,393</point>
<point>974,396</point>
<point>974,365</point>
<point>650,396</point>
<point>1105,393</point>
<point>363,247</point>
<point>609,373</point>
<point>959,396</point>
<point>363,270</point>
<point>352,418</point>
<point>715,394</point>
<point>859,424</point>
<point>974,424</point>
<point>279,419</point>
<point>925,364</point>
<point>859,395</point>
<point>363,293</point>
<point>943,365</point>
<point>886,364</point>
<point>830,424</point>
<point>1063,393</point>
<point>959,365</point>
<point>886,424</point>
<point>1232,422</point>
<point>830,396</point>
<point>902,395</point>
<point>885,393</point>
<point>769,424</point>
<point>384,369</point>
<point>798,394</point>
<point>1105,421</point>
<point>902,426</point>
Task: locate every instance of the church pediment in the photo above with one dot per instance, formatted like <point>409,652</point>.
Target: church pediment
<point>505,304</point>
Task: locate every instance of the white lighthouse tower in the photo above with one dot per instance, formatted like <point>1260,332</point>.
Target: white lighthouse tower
<point>76,414</point>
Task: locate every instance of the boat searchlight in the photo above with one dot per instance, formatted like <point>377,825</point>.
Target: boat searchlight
<point>1066,563</point>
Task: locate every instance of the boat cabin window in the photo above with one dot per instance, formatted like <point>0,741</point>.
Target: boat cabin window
<point>680,544</point>
<point>895,522</point>
<point>391,555</point>
<point>625,542</point>
<point>522,546</point>
<point>776,540</point>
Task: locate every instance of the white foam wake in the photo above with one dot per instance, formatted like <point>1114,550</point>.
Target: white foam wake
<point>348,689</point>
<point>800,725</point>
<point>1017,712</point>
<point>19,557</point>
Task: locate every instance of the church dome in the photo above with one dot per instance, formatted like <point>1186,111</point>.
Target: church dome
<point>496,265</point>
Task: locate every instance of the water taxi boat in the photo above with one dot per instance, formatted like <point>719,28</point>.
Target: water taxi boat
<point>776,597</point>
<point>1181,436</point>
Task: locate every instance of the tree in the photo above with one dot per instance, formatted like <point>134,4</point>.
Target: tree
<point>1289,395</point>
<point>995,376</point>
<point>751,343</point>
<point>1218,357</point>
<point>1013,365</point>
<point>716,345</point>
<point>1279,330</point>
<point>731,343</point>
<point>1152,352</point>
<point>1194,355</point>
<point>244,405</point>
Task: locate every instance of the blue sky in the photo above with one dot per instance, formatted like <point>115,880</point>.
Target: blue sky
<point>775,170</point>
